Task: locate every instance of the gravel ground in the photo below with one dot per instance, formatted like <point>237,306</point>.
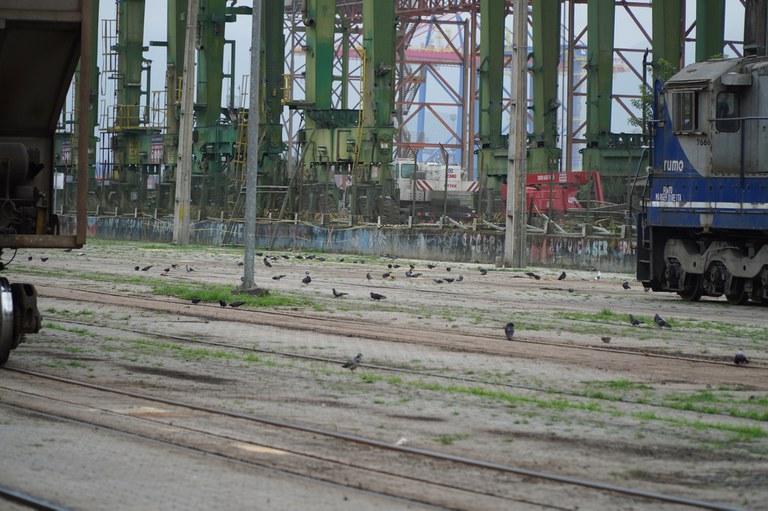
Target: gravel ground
<point>662,410</point>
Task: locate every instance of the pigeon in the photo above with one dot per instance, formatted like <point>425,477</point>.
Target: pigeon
<point>598,276</point>
<point>483,271</point>
<point>460,278</point>
<point>634,321</point>
<point>660,321</point>
<point>285,256</point>
<point>338,294</point>
<point>166,270</point>
<point>189,268</point>
<point>368,276</point>
<point>389,266</point>
<point>647,289</point>
<point>353,363</point>
<point>136,268</point>
<point>740,358</point>
<point>222,303</point>
<point>43,259</point>
<point>67,250</point>
<point>277,277</point>
<point>431,266</point>
<point>449,279</point>
<point>267,263</point>
<point>240,263</point>
<point>625,285</point>
<point>562,276</point>
<point>533,275</point>
<point>29,258</point>
<point>306,280</point>
<point>448,268</point>
<point>237,303</point>
<point>386,275</point>
<point>174,266</point>
<point>437,281</point>
<point>196,300</point>
<point>509,330</point>
<point>146,268</point>
<point>377,296</point>
<point>606,339</point>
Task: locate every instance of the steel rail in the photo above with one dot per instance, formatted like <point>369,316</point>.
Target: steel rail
<point>576,481</point>
<point>30,501</point>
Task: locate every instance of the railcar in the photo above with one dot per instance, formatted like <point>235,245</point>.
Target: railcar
<point>41,44</point>
<point>703,226</point>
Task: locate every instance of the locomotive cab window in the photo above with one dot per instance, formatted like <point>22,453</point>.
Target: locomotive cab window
<point>686,119</point>
<point>727,112</point>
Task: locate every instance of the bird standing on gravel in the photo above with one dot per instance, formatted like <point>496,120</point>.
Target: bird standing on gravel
<point>237,303</point>
<point>562,276</point>
<point>625,285</point>
<point>634,321</point>
<point>368,276</point>
<point>307,279</point>
<point>223,303</point>
<point>509,330</point>
<point>377,296</point>
<point>483,271</point>
<point>267,263</point>
<point>338,294</point>
<point>353,363</point>
<point>195,300</point>
<point>740,358</point>
<point>660,322</point>
<point>277,277</point>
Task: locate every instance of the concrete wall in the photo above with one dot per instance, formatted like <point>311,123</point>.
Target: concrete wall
<point>450,244</point>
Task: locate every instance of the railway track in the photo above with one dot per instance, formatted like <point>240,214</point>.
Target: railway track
<point>666,365</point>
<point>27,501</point>
<point>455,482</point>
<point>218,343</point>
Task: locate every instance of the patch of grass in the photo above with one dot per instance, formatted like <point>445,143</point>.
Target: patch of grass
<point>618,385</point>
<point>450,439</point>
<point>214,293</point>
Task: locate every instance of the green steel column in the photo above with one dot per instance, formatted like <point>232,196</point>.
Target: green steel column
<point>175,55</point>
<point>379,80</point>
<point>545,156</point>
<point>210,62</point>
<point>271,64</point>
<point>491,72</point>
<point>710,27</point>
<point>131,48</point>
<point>601,17</point>
<point>320,21</point>
<point>667,26</point>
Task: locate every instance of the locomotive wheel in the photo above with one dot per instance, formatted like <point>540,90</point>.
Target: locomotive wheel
<point>692,291</point>
<point>736,294</point>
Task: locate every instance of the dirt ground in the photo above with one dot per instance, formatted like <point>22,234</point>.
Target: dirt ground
<point>664,410</point>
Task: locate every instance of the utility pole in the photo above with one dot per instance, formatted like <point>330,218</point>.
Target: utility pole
<point>252,158</point>
<point>515,238</point>
<point>184,166</point>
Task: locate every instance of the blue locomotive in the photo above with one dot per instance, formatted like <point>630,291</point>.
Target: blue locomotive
<point>703,227</point>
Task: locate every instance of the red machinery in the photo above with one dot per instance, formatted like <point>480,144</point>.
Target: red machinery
<point>558,192</point>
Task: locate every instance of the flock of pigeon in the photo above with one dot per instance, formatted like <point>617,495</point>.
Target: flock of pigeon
<point>740,358</point>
